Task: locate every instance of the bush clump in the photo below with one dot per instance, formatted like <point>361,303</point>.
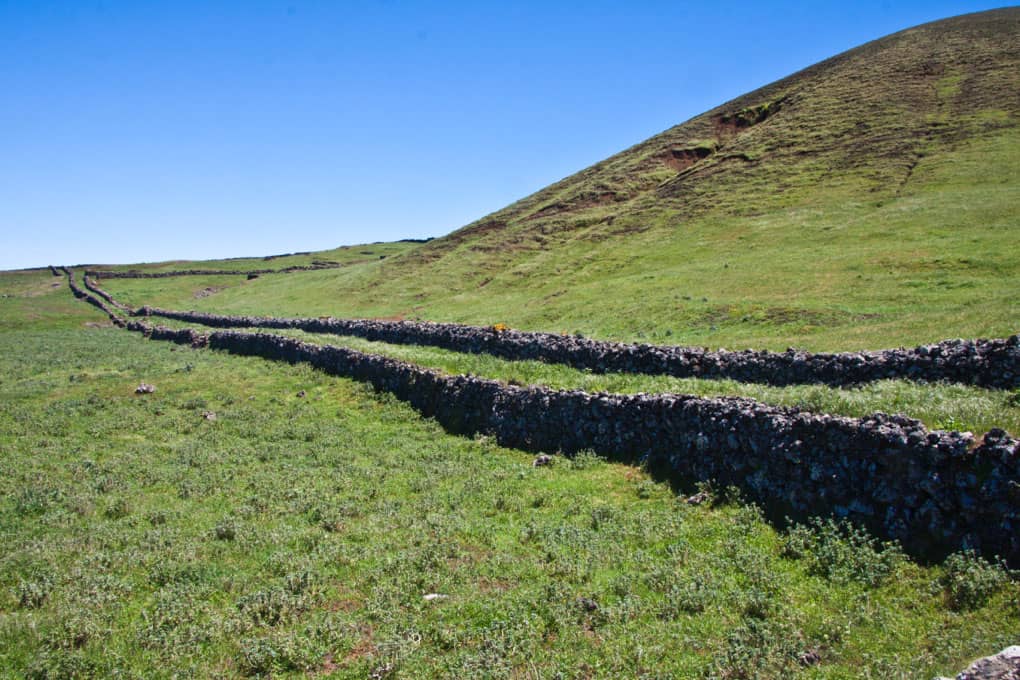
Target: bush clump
<point>33,593</point>
<point>276,654</point>
<point>841,551</point>
<point>586,459</point>
<point>969,580</point>
<point>760,649</point>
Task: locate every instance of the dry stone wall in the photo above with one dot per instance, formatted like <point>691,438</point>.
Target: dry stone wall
<point>94,287</point>
<point>92,300</point>
<point>987,363</point>
<point>135,274</point>
<point>933,491</point>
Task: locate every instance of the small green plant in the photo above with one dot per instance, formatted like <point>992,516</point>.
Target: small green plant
<point>277,654</point>
<point>73,632</point>
<point>225,530</point>
<point>841,551</point>
<point>646,488</point>
<point>118,509</point>
<point>271,606</point>
<point>689,595</point>
<point>731,495</point>
<point>32,594</point>
<point>35,500</point>
<point>760,649</point>
<point>949,423</point>
<point>969,580</point>
<point>601,516</point>
<point>585,460</point>
<point>61,664</point>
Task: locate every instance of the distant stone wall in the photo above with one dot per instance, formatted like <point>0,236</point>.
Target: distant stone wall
<point>94,287</point>
<point>92,300</point>
<point>135,274</point>
<point>987,363</point>
<point>935,492</point>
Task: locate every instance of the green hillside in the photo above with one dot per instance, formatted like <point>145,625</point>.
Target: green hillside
<point>869,200</point>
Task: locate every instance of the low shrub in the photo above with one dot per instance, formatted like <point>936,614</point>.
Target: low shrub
<point>969,580</point>
<point>225,530</point>
<point>841,551</point>
<point>33,593</point>
<point>759,649</point>
<point>586,459</point>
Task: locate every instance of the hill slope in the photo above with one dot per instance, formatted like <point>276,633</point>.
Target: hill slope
<point>867,200</point>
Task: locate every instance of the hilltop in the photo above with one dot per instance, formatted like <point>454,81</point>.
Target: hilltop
<point>868,200</point>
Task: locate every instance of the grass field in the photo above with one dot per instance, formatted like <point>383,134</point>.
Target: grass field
<point>293,534</point>
<point>256,519</point>
<point>344,255</point>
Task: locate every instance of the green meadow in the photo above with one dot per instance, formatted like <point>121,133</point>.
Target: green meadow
<point>252,518</point>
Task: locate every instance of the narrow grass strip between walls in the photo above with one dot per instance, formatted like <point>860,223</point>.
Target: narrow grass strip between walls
<point>887,473</point>
<point>92,300</point>
<point>94,287</point>
<point>985,363</point>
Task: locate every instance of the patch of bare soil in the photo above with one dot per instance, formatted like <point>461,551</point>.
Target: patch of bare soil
<point>582,201</point>
<point>681,159</point>
<point>363,648</point>
<point>206,292</point>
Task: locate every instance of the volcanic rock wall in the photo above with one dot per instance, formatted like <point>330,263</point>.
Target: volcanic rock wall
<point>94,287</point>
<point>135,274</point>
<point>933,491</point>
<point>988,363</point>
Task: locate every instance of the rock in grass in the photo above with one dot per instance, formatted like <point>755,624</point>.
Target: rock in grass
<point>1002,666</point>
<point>698,498</point>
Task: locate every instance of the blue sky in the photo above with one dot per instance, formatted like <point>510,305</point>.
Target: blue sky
<point>140,131</point>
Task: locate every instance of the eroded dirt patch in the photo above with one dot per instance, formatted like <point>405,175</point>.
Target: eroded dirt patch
<point>207,291</point>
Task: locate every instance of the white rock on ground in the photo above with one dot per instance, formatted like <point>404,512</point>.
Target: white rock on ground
<point>1002,666</point>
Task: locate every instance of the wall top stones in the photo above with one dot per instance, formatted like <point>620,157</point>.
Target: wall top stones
<point>987,363</point>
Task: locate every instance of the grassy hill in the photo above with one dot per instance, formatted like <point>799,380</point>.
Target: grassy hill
<point>869,200</point>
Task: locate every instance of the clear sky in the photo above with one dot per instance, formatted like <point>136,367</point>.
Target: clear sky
<point>143,130</point>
